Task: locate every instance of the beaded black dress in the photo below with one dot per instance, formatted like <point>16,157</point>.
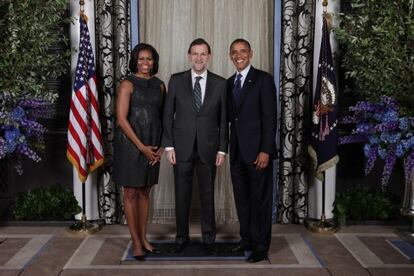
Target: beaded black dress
<point>131,167</point>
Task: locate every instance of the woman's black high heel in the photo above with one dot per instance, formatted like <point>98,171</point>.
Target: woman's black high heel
<point>140,258</point>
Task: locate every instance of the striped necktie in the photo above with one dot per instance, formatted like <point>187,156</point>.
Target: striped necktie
<point>197,94</point>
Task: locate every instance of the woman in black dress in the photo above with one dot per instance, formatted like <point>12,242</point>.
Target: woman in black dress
<point>137,141</point>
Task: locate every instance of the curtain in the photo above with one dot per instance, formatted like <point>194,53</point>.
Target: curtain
<point>295,95</point>
<point>113,49</point>
<point>170,26</point>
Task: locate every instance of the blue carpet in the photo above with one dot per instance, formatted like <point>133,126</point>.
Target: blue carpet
<point>192,252</point>
<point>405,247</point>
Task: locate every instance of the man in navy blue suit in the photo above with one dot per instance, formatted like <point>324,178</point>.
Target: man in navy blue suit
<point>252,114</point>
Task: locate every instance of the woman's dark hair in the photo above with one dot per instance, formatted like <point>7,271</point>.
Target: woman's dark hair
<point>134,57</point>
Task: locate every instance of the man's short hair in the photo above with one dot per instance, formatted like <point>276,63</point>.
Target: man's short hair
<point>240,40</point>
<point>199,41</point>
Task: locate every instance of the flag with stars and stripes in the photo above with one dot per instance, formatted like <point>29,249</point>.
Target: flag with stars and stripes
<point>323,148</point>
<point>84,150</point>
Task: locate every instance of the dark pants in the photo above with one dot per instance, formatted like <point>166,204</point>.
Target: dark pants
<point>183,174</point>
<point>253,196</point>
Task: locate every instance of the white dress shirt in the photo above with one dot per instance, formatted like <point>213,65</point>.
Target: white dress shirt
<point>244,75</point>
<point>203,82</point>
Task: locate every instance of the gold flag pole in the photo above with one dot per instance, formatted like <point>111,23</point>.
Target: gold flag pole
<point>322,225</point>
<point>83,225</point>
<point>325,6</point>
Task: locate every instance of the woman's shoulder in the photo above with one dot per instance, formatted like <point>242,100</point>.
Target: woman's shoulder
<point>126,82</point>
<point>130,77</point>
<point>156,81</point>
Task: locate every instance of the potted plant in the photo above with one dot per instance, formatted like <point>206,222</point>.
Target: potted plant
<point>27,63</point>
<point>377,54</point>
<point>364,204</point>
<point>51,203</point>
<point>377,51</point>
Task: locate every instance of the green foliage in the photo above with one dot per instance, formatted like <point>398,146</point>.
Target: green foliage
<point>29,28</point>
<point>360,204</point>
<point>46,203</point>
<point>378,50</point>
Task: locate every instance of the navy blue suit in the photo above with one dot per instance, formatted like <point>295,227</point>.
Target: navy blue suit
<point>253,130</point>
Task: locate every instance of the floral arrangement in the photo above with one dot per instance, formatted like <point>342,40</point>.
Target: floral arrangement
<point>386,133</point>
<point>21,133</point>
<point>32,31</point>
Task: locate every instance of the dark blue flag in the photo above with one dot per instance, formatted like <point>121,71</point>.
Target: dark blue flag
<point>325,108</point>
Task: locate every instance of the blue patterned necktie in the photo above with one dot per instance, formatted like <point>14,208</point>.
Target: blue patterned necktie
<point>236,89</point>
<point>197,94</point>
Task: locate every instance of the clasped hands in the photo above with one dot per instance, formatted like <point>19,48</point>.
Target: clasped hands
<point>152,153</point>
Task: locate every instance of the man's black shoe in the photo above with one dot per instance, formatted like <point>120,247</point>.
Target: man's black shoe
<point>211,249</point>
<point>257,256</point>
<point>178,248</point>
<point>241,248</point>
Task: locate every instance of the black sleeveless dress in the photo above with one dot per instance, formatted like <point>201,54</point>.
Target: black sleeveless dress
<point>131,167</point>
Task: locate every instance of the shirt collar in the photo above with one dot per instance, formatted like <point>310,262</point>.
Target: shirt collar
<point>194,75</point>
<point>244,71</point>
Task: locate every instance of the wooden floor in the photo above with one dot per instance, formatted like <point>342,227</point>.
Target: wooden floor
<point>355,250</point>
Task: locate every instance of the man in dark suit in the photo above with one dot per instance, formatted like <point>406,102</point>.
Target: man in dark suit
<point>252,114</point>
<point>195,136</point>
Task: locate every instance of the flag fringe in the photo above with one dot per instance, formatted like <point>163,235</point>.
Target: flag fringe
<point>95,165</point>
<point>91,168</point>
<point>82,178</point>
<point>322,167</point>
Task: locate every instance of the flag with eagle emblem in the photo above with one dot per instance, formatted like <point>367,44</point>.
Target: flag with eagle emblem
<point>323,148</point>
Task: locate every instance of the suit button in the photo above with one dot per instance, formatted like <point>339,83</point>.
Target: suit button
<point>236,119</point>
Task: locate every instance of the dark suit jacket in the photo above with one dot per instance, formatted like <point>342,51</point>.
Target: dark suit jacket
<point>183,125</point>
<point>253,122</point>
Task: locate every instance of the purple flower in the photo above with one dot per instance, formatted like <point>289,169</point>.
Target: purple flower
<point>371,154</point>
<point>385,132</point>
<point>399,151</point>
<point>25,150</point>
<point>390,103</point>
<point>12,134</point>
<point>351,139</point>
<point>374,140</point>
<point>391,116</point>
<point>404,123</point>
<point>3,150</point>
<point>389,166</point>
<point>20,129</point>
<point>18,113</point>
<point>387,126</point>
<point>382,153</point>
<point>37,108</point>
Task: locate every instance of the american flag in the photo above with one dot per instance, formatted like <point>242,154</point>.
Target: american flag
<point>323,148</point>
<point>84,150</point>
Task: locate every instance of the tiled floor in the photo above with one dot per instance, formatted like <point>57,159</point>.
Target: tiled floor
<point>356,250</point>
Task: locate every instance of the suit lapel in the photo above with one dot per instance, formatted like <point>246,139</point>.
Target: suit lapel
<point>248,83</point>
<point>208,92</point>
<point>188,89</point>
